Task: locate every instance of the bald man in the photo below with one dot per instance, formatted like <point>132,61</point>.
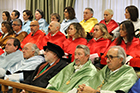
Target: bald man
<point>54,35</point>
<point>35,35</point>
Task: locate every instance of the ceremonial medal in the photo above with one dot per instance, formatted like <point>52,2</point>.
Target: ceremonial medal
<point>68,82</point>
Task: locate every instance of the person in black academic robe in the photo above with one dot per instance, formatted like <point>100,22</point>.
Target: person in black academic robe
<point>46,70</point>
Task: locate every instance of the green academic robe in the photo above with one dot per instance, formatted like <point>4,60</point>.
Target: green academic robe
<point>66,79</point>
<point>123,79</point>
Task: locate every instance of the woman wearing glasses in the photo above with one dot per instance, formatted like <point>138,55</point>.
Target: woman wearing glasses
<point>129,43</point>
<point>7,32</point>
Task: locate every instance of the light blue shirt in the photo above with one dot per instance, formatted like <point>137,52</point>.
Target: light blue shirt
<point>65,24</point>
<point>26,27</point>
<point>42,24</point>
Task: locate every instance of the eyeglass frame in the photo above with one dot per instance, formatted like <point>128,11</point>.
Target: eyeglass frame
<point>33,25</point>
<point>15,24</point>
<point>110,57</point>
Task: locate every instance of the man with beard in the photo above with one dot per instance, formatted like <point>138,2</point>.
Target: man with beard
<point>35,36</point>
<point>54,35</point>
<point>46,70</point>
<point>75,73</point>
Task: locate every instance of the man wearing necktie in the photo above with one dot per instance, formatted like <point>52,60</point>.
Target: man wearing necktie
<point>46,70</point>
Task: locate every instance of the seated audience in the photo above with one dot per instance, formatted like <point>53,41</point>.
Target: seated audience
<point>115,76</point>
<point>89,21</point>
<point>76,36</point>
<point>35,35</point>
<point>46,70</point>
<point>132,14</point>
<point>39,16</point>
<point>12,56</point>
<point>54,17</point>
<point>129,43</point>
<point>75,73</point>
<point>27,17</point>
<point>69,15</point>
<point>7,32</point>
<point>108,21</point>
<point>54,35</point>
<point>17,27</point>
<point>31,61</point>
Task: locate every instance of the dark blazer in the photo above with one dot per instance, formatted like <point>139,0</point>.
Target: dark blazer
<point>42,81</point>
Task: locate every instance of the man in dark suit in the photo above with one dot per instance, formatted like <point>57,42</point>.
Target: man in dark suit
<point>46,70</point>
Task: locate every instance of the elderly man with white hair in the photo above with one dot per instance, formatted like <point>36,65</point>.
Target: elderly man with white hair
<point>26,67</point>
<point>115,77</point>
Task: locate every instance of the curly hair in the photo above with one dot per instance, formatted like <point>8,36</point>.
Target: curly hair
<point>80,32</point>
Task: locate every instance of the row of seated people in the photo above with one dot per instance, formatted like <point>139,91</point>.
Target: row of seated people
<point>27,17</point>
<point>73,38</point>
<point>34,70</point>
<point>76,35</point>
<point>131,13</point>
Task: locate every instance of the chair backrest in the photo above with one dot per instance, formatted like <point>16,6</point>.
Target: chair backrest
<point>18,86</point>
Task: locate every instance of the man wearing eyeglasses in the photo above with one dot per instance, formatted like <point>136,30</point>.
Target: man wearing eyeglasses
<point>115,77</point>
<point>35,35</point>
<point>17,27</point>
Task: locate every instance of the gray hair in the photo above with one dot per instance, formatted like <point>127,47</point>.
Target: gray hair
<point>110,11</point>
<point>18,21</point>
<point>121,53</point>
<point>91,10</point>
<point>85,48</point>
<point>35,48</point>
